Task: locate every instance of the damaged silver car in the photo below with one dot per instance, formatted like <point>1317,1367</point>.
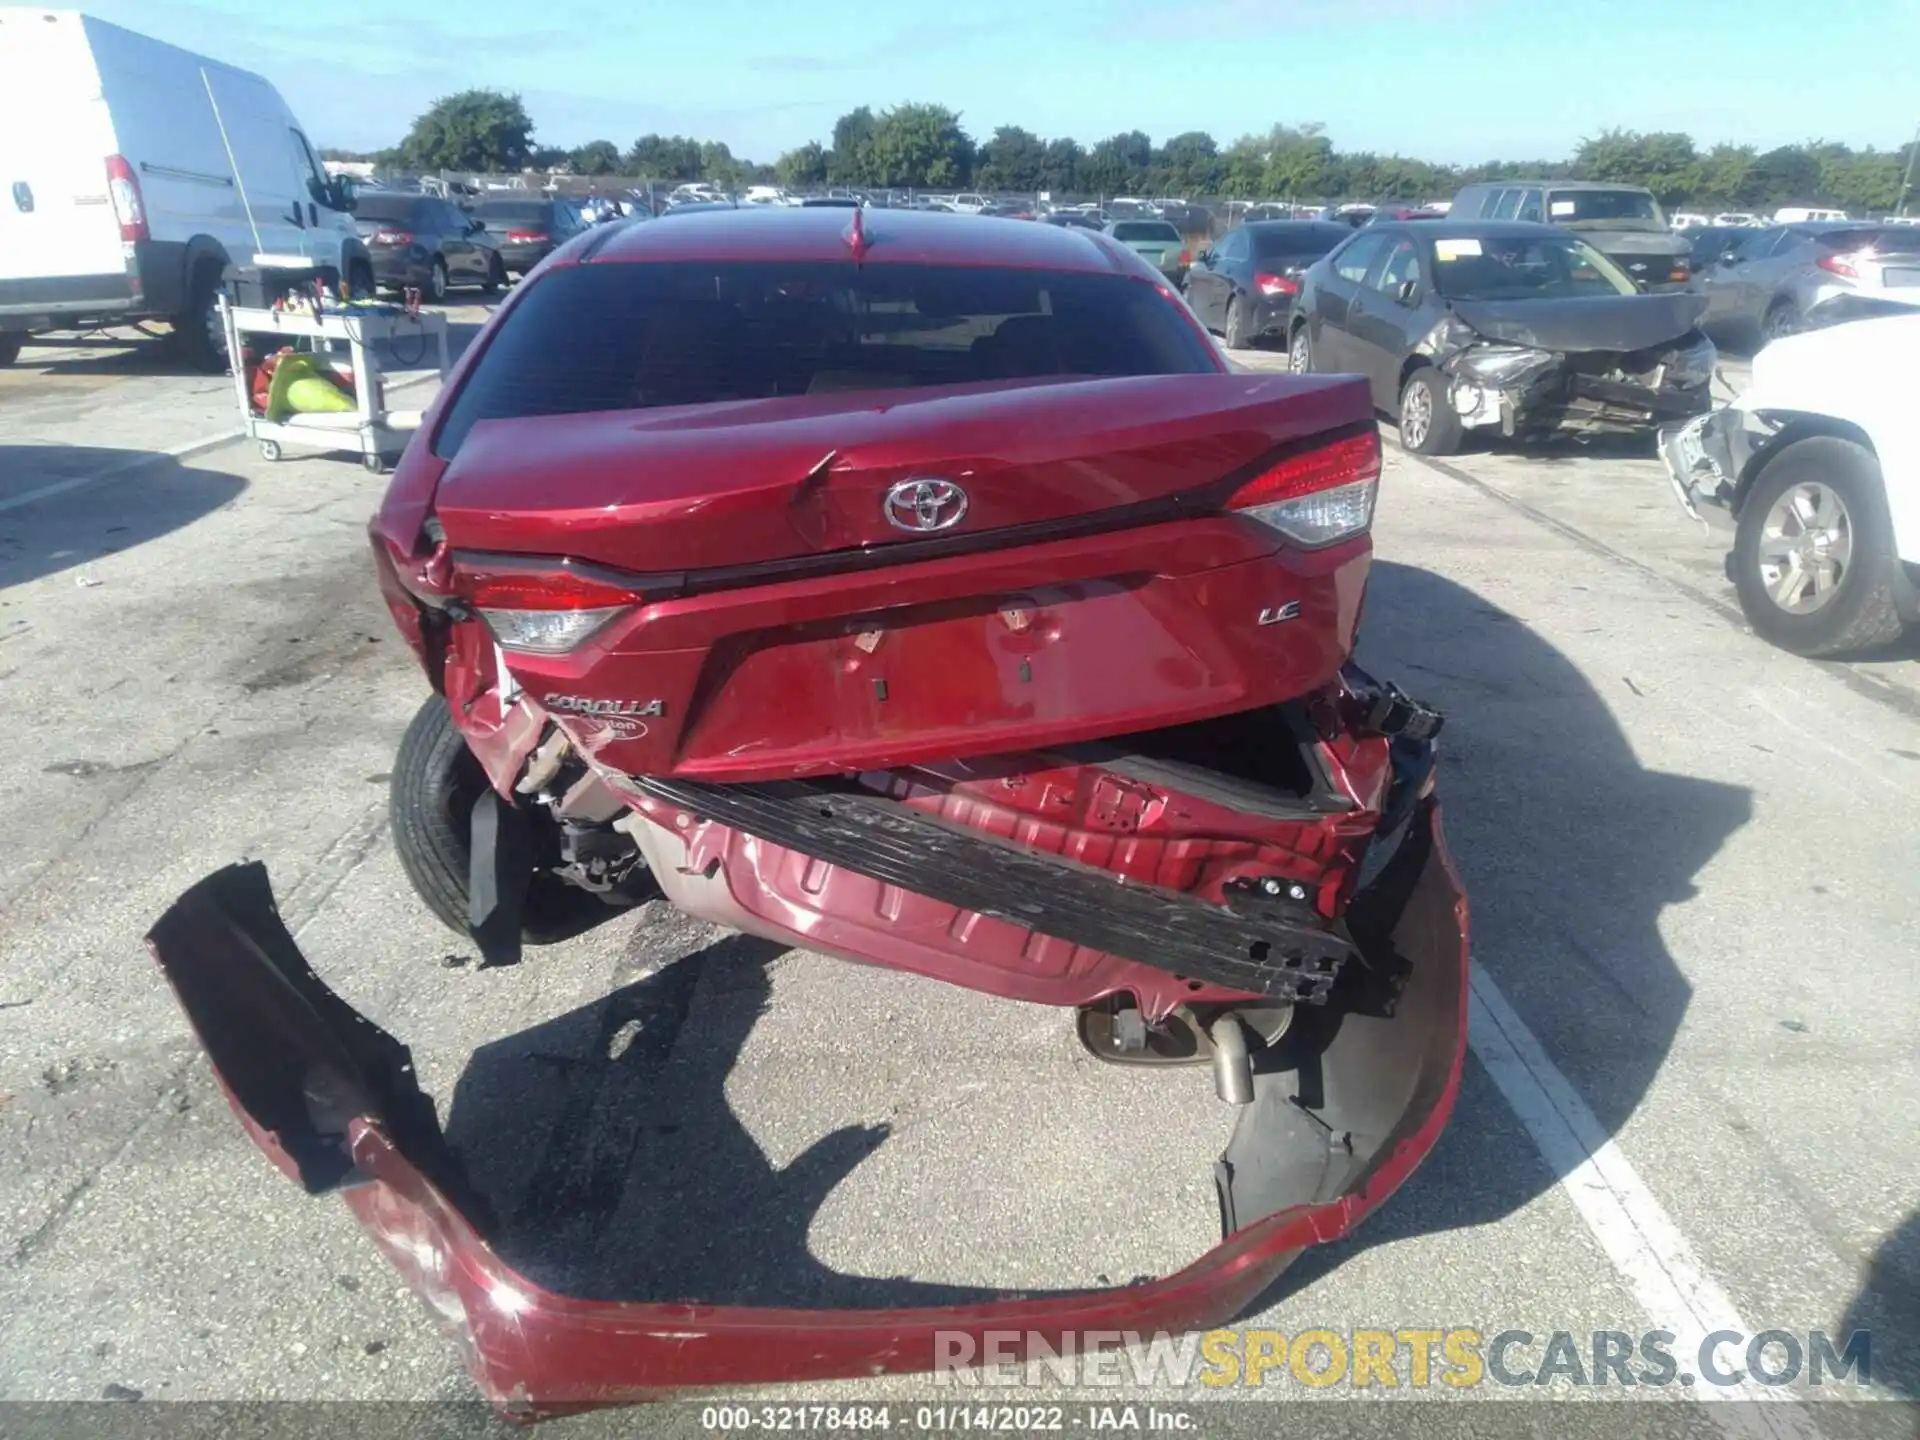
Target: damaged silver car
<point>1511,329</point>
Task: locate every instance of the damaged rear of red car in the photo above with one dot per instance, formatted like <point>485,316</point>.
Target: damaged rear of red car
<point>922,592</point>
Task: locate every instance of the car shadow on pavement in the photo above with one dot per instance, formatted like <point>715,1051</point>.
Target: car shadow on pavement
<point>1888,1309</point>
<point>1569,850</point>
<point>613,1167</point>
<point>69,530</point>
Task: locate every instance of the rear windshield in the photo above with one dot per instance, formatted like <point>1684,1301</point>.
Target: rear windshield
<point>375,206</point>
<point>1506,267</point>
<point>1575,207</point>
<point>530,212</point>
<point>1894,240</point>
<point>629,336</point>
<point>1297,241</point>
<point>1145,230</point>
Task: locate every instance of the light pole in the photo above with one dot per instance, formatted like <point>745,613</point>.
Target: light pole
<point>1906,185</point>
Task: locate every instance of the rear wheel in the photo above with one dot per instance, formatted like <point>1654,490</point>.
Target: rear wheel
<point>1813,557</point>
<point>1428,424</point>
<point>437,282</point>
<point>496,277</point>
<point>10,348</point>
<point>1236,325</point>
<point>1783,319</point>
<point>360,283</point>
<point>198,331</point>
<point>430,801</point>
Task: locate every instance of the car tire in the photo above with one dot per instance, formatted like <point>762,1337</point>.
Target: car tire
<point>436,282</point>
<point>1783,318</point>
<point>1839,482</point>
<point>1300,350</point>
<point>430,799</point>
<point>198,332</point>
<point>1236,333</point>
<point>360,283</point>
<point>10,348</point>
<point>1428,423</point>
<point>496,277</point>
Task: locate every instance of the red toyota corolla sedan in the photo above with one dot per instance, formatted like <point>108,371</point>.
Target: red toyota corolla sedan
<point>920,590</point>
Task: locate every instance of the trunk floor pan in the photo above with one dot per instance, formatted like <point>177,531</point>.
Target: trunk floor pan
<point>1257,945</point>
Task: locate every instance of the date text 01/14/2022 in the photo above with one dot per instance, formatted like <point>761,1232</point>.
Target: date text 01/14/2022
<point>947,1419</point>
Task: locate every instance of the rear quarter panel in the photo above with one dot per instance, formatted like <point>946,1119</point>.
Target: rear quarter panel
<point>55,136</point>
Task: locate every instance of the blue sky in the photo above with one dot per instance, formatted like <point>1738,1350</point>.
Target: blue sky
<point>1448,80</point>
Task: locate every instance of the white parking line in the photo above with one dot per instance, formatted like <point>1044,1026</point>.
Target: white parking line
<point>1632,1227</point>
<point>154,457</point>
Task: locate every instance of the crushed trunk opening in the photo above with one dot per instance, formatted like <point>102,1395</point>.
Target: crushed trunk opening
<point>1340,1086</point>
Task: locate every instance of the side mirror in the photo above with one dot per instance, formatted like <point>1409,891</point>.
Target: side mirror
<point>1407,292</point>
<point>340,194</point>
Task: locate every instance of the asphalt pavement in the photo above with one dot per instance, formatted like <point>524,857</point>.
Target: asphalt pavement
<point>1687,856</point>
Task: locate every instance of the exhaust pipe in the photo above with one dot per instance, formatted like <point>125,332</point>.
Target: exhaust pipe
<point>1232,1062</point>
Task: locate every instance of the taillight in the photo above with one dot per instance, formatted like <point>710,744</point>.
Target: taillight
<point>1271,285</point>
<point>1317,496</point>
<point>1838,265</point>
<point>393,237</point>
<point>1186,257</point>
<point>129,208</point>
<point>539,609</point>
<point>526,237</point>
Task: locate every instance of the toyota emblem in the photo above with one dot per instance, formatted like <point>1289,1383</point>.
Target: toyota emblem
<point>925,505</point>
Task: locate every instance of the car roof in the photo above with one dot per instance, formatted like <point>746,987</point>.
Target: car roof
<point>1558,185</point>
<point>1467,229</point>
<point>892,236</point>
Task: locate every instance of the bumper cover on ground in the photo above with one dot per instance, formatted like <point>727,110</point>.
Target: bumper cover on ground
<point>334,1102</point>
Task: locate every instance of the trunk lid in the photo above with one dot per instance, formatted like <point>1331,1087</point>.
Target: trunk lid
<point>1592,322</point>
<point>731,484</point>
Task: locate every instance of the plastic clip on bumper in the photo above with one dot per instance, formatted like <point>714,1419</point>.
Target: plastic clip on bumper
<point>334,1102</point>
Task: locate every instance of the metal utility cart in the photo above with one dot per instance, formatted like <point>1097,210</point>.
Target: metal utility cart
<point>370,428</point>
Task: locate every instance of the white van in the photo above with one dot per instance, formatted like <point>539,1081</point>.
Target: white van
<point>133,172</point>
<point>1801,214</point>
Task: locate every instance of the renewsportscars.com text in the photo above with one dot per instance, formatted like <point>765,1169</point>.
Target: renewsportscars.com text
<point>1460,1358</point>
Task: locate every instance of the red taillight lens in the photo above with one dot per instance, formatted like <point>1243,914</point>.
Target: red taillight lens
<point>540,610</point>
<point>526,237</point>
<point>1186,257</point>
<point>1838,265</point>
<point>129,206</point>
<point>1316,497</point>
<point>1276,284</point>
<point>393,237</point>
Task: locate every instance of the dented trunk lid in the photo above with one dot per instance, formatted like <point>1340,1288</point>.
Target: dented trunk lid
<point>735,484</point>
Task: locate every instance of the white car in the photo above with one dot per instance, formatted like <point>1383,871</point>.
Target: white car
<point>1816,468</point>
<point>132,173</point>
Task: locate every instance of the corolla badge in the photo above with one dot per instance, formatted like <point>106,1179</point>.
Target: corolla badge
<point>925,505</point>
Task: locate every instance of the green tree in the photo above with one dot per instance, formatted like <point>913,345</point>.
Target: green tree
<point>1664,162</point>
<point>1299,161</point>
<point>804,167</point>
<point>474,130</point>
<point>596,157</point>
<point>1190,164</point>
<point>1243,169</point>
<point>1014,159</point>
<point>665,157</point>
<point>1119,164</point>
<point>850,162</point>
<point>1788,175</point>
<point>916,145</point>
<point>718,164</point>
<point>1060,171</point>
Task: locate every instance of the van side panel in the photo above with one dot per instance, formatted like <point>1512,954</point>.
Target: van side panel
<point>59,241</point>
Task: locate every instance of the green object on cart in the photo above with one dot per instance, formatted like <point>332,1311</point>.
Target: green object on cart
<point>301,387</point>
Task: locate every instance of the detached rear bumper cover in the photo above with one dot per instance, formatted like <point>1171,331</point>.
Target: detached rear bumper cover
<point>333,1101</point>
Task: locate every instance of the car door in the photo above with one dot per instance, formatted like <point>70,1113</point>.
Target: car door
<point>1219,280</point>
<point>1345,274</point>
<point>1378,317</point>
<point>1729,286</point>
<point>452,225</point>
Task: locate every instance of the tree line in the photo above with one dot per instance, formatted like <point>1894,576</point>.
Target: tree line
<point>924,146</point>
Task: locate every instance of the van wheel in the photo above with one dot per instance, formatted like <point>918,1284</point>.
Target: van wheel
<point>1236,336</point>
<point>10,348</point>
<point>197,330</point>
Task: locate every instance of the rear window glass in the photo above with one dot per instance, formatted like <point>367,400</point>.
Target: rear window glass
<point>1144,230</point>
<point>519,211</point>
<point>1302,241</point>
<point>385,207</point>
<point>634,335</point>
<point>1894,240</point>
